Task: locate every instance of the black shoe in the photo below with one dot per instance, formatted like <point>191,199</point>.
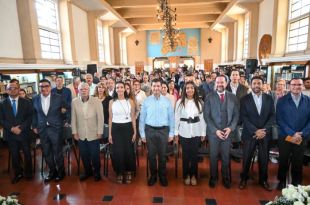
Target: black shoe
<point>59,177</point>
<point>163,181</point>
<point>83,177</point>
<point>152,180</point>
<point>266,186</point>
<point>212,183</point>
<point>281,185</point>
<point>50,177</point>
<point>242,184</point>
<point>17,178</point>
<point>227,183</point>
<point>97,178</point>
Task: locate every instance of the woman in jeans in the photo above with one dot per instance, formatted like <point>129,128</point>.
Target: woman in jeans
<point>122,133</point>
<point>191,128</point>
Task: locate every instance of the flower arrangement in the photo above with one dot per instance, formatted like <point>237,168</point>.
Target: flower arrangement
<point>10,200</point>
<point>292,195</point>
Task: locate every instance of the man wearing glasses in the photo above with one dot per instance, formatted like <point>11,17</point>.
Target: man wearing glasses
<point>293,119</point>
<point>15,117</point>
<point>49,116</point>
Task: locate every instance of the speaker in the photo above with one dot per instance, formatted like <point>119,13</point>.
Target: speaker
<point>92,68</point>
<point>251,65</point>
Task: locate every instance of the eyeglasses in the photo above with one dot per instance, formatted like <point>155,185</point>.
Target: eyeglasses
<point>44,86</point>
<point>12,88</point>
<point>296,85</point>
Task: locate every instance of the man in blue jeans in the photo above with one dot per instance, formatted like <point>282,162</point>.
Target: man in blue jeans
<point>156,130</point>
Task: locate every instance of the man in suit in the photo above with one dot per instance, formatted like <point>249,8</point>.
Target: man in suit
<point>221,113</point>
<point>15,117</point>
<point>49,117</point>
<point>235,87</point>
<point>293,120</point>
<point>258,115</point>
<point>87,128</point>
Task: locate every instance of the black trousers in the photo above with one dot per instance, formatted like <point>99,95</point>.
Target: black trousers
<point>52,144</point>
<point>156,142</point>
<point>15,146</point>
<point>249,147</point>
<point>289,152</point>
<point>190,155</point>
<point>90,154</point>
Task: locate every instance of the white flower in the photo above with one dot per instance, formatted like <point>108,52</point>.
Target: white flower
<point>298,203</point>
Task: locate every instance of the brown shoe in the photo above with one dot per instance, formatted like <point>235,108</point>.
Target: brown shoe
<point>128,178</point>
<point>193,181</point>
<point>187,180</point>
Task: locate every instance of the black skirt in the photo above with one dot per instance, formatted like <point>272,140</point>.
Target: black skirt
<point>123,154</point>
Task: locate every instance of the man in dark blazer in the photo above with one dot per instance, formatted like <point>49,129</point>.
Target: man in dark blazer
<point>221,113</point>
<point>293,120</point>
<point>49,117</point>
<point>258,115</point>
<point>15,117</point>
<point>235,87</point>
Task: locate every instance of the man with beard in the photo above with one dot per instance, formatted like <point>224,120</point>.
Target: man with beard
<point>257,114</point>
<point>221,113</point>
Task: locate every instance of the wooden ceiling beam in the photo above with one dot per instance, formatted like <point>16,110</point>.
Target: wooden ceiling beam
<point>181,11</point>
<point>154,3</point>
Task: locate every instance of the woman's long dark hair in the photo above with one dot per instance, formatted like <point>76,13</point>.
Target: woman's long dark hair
<point>197,100</point>
<point>115,96</point>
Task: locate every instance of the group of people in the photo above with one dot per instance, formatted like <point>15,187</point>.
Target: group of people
<point>158,111</point>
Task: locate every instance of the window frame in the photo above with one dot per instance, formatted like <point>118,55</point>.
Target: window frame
<point>246,40</point>
<point>290,21</point>
<point>50,31</point>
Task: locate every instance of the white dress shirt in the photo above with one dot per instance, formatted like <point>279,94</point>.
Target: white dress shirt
<point>45,102</point>
<point>234,88</point>
<point>258,99</point>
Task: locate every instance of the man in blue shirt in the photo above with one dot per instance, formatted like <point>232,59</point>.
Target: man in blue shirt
<point>156,129</point>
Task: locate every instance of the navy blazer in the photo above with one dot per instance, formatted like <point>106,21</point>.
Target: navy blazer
<point>23,118</point>
<point>291,119</point>
<point>54,117</point>
<point>253,121</point>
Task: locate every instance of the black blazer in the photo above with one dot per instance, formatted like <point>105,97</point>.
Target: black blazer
<point>252,120</point>
<point>22,118</point>
<point>241,91</point>
<point>54,116</point>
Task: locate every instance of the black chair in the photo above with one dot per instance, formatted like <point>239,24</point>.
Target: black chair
<point>107,155</point>
<point>68,146</point>
<point>172,150</point>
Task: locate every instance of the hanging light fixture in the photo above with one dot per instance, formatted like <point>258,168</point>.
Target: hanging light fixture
<point>169,17</point>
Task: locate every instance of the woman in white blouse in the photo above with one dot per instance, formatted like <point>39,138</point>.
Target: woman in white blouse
<point>191,129</point>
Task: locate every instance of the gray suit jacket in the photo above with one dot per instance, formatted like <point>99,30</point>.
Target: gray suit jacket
<point>212,112</point>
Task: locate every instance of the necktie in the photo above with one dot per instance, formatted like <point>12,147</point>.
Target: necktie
<point>14,107</point>
<point>222,98</point>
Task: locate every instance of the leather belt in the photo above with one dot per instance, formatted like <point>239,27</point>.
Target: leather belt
<point>190,120</point>
<point>158,128</point>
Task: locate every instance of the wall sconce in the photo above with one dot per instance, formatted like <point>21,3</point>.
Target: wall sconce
<point>136,42</point>
<point>210,40</point>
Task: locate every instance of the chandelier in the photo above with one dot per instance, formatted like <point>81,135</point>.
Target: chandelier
<point>170,34</point>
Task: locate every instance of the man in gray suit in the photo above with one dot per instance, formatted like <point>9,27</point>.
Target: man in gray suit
<point>221,113</point>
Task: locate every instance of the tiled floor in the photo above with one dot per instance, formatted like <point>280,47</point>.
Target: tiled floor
<point>89,192</point>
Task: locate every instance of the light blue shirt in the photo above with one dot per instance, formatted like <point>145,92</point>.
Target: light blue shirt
<point>156,113</point>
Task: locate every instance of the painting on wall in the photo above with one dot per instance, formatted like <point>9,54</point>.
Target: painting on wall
<point>188,44</point>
